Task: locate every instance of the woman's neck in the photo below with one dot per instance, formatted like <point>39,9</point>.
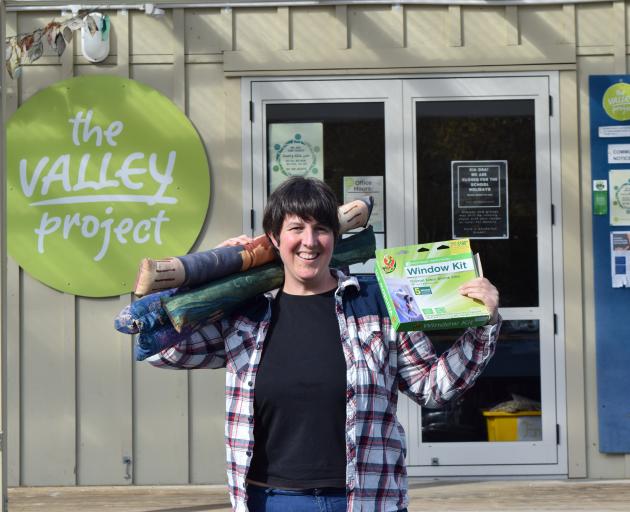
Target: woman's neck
<point>294,287</point>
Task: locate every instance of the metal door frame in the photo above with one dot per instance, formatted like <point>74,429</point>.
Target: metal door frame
<point>309,91</point>
<point>306,89</point>
<point>416,92</point>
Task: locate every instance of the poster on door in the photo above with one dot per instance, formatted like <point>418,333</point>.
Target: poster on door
<point>479,200</point>
<point>355,187</point>
<point>295,149</point>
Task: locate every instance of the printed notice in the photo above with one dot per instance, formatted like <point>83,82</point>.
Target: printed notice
<point>619,153</point>
<point>355,187</point>
<point>295,149</point>
<point>620,258</point>
<point>479,199</point>
<point>619,181</point>
<point>613,131</point>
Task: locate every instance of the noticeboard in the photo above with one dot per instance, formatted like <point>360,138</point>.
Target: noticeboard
<point>609,110</point>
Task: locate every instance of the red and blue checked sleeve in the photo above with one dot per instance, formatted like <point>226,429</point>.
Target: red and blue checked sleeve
<point>204,348</point>
<point>431,381</point>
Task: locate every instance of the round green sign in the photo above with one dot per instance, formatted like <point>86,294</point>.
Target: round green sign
<point>616,101</point>
<point>102,172</point>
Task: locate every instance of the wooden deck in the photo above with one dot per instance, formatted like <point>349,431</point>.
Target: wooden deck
<point>529,495</point>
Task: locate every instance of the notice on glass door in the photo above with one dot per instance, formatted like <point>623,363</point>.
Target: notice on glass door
<point>479,201</point>
<point>295,149</point>
<point>355,187</point>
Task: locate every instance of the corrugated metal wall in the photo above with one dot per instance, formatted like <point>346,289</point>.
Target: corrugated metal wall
<point>78,403</point>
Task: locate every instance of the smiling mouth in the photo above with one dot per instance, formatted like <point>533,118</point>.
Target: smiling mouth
<point>308,257</point>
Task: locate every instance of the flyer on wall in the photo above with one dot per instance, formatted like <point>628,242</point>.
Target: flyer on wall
<point>620,258</point>
<point>619,197</point>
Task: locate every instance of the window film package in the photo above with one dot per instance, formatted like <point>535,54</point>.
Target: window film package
<point>419,285</point>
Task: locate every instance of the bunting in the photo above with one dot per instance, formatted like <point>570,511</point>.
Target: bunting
<point>27,48</point>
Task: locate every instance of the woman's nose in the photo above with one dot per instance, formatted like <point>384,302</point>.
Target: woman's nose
<point>308,237</point>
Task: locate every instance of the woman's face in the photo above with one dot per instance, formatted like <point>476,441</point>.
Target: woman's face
<point>306,249</point>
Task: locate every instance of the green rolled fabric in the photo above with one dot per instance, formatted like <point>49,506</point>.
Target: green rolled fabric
<point>222,296</point>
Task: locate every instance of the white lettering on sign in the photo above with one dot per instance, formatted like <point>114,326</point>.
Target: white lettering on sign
<point>122,185</point>
<point>414,269</point>
<point>89,226</point>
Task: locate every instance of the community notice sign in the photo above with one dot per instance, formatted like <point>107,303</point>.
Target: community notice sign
<point>295,149</point>
<point>102,172</point>
<point>479,199</point>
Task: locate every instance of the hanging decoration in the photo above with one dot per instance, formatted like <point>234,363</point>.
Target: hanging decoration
<point>27,48</point>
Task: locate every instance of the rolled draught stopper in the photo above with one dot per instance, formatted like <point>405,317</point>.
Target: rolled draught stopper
<point>163,319</point>
<point>203,267</point>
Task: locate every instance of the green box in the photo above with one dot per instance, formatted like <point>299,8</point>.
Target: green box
<point>419,284</point>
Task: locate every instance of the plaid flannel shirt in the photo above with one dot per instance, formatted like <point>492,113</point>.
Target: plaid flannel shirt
<point>379,362</point>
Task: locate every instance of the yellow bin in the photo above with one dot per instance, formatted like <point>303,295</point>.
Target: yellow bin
<point>514,426</point>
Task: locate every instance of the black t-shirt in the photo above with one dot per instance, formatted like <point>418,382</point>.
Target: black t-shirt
<point>300,405</point>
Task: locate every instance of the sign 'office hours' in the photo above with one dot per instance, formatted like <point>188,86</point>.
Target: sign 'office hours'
<point>102,172</point>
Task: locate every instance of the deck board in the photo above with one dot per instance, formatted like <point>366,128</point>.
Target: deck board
<point>519,495</point>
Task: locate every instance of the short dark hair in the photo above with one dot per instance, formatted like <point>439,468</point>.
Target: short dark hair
<point>308,198</point>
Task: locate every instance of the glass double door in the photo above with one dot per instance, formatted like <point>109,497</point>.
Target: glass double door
<point>444,158</point>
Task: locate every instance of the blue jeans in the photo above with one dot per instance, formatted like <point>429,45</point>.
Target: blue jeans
<point>269,499</point>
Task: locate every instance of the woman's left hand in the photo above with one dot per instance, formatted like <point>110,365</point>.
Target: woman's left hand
<point>483,290</point>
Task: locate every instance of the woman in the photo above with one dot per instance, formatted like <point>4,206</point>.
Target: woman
<point>313,372</point>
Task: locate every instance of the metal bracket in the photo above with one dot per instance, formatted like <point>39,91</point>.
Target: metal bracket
<point>126,460</point>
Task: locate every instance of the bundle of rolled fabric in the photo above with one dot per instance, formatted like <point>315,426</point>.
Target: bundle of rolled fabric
<point>203,267</point>
<point>164,318</point>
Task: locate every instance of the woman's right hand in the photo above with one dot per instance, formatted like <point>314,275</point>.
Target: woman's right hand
<point>237,240</point>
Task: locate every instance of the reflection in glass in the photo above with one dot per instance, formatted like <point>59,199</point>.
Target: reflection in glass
<point>353,138</point>
<point>483,130</point>
<point>510,385</point>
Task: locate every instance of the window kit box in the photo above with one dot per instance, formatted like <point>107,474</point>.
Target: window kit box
<point>419,285</point>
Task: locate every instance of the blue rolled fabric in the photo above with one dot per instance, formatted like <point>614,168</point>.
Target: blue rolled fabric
<point>145,314</point>
<point>207,266</point>
<point>150,343</point>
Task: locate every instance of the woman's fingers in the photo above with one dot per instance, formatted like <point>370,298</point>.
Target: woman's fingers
<point>483,290</point>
